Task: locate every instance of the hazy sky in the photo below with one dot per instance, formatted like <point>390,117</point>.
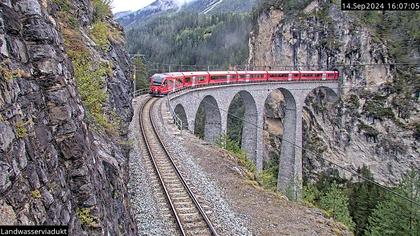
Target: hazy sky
<point>129,5</point>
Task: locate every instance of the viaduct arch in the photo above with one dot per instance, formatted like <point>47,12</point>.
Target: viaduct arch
<point>216,101</point>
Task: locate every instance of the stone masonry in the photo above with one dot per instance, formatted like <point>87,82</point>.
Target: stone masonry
<point>216,101</point>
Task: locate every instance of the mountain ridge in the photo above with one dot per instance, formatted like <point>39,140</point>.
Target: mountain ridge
<point>128,19</point>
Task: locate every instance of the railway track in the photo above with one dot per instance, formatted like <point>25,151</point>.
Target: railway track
<point>175,198</point>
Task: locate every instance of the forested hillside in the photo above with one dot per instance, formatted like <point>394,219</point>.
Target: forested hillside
<point>192,39</point>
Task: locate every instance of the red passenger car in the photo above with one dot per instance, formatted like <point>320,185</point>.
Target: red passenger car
<point>162,84</point>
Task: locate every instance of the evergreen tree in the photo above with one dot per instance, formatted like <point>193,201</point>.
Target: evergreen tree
<point>141,74</point>
<point>336,202</point>
<point>364,196</point>
<point>395,215</point>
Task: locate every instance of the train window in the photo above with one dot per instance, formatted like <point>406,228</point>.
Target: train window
<point>178,81</point>
<point>187,79</point>
<point>258,76</point>
<point>157,79</point>
<point>279,75</point>
<point>200,78</point>
<point>296,75</point>
<point>220,77</point>
<point>243,76</point>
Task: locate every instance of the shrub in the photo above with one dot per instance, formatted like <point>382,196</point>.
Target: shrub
<point>102,9</point>
<point>335,202</point>
<point>99,33</point>
<point>311,194</point>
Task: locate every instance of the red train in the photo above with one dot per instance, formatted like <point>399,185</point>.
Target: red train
<point>162,84</point>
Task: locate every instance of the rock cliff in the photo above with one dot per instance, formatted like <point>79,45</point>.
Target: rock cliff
<point>375,121</point>
<point>65,102</point>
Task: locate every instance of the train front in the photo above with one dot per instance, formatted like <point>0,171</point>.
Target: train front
<point>156,85</point>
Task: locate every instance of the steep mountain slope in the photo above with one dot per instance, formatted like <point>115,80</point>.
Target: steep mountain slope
<point>156,8</point>
<point>376,120</point>
<point>160,7</point>
<point>219,6</point>
<point>192,39</point>
<point>65,102</point>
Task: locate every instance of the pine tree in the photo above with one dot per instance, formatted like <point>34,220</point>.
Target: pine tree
<point>335,202</point>
<point>141,74</point>
<point>364,196</point>
<point>395,215</point>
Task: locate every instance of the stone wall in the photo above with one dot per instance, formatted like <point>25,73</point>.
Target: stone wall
<point>57,166</point>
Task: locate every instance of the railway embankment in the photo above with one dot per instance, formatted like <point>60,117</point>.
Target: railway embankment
<point>234,203</point>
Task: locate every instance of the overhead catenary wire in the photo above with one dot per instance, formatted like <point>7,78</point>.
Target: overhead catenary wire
<point>309,151</point>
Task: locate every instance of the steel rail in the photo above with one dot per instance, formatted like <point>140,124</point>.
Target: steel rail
<point>190,193</point>
<point>177,172</point>
<point>149,149</point>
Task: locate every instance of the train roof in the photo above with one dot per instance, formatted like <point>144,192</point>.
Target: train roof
<point>281,72</point>
<point>251,72</point>
<point>195,73</point>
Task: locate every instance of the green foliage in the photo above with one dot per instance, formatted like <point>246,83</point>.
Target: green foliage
<point>335,202</point>
<point>399,29</point>
<point>192,39</point>
<point>288,6</point>
<point>395,215</point>
<point>86,217</point>
<point>268,177</point>
<point>99,33</point>
<point>21,130</point>
<point>63,5</point>
<point>311,194</point>
<point>364,196</point>
<point>367,129</point>
<point>232,146</point>
<point>90,82</point>
<point>102,9</point>
<point>141,74</point>
<point>376,107</point>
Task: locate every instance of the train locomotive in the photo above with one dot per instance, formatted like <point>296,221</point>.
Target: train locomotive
<point>163,84</point>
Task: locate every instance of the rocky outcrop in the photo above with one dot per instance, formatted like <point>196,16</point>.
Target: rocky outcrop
<point>58,164</point>
<point>368,125</point>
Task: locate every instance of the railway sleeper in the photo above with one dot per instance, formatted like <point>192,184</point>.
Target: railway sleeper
<point>191,217</point>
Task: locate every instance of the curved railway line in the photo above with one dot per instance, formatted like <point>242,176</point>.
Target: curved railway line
<point>173,192</point>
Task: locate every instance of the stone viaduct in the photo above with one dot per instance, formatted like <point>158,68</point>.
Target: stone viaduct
<point>216,101</point>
